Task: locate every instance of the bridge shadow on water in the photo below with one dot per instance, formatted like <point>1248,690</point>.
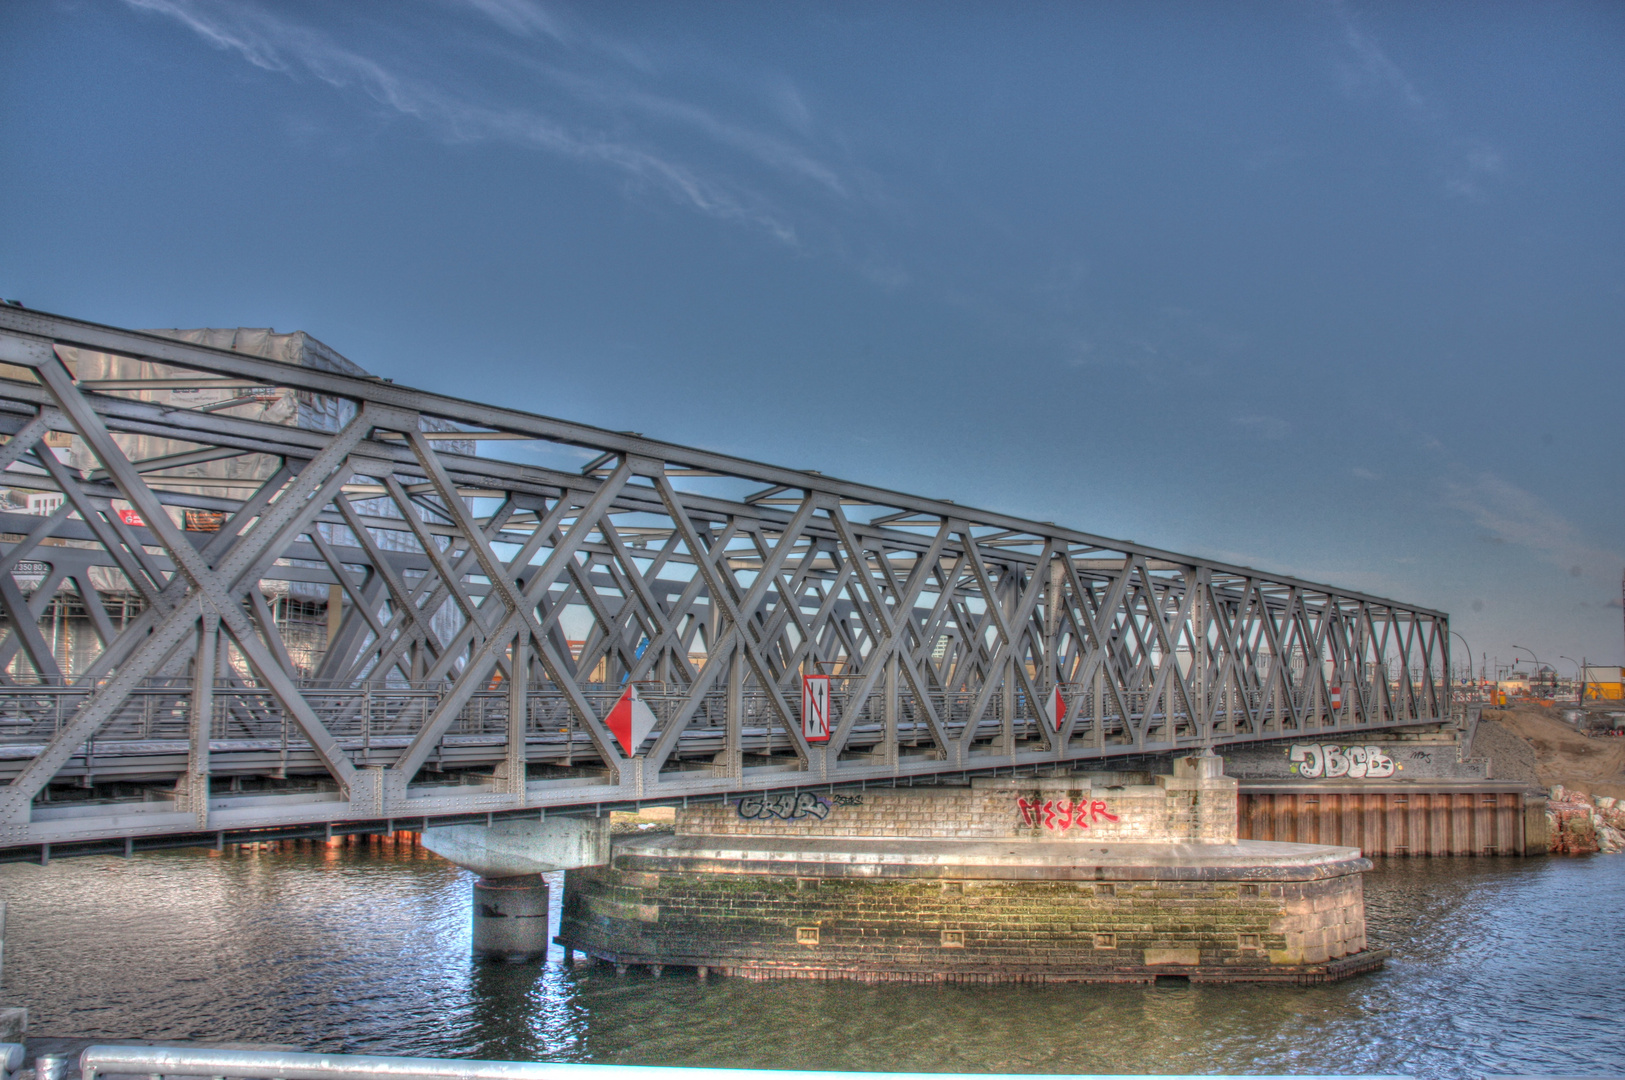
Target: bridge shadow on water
<point>1501,965</point>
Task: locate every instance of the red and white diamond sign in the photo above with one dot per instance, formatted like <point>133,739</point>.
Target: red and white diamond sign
<point>630,721</point>
<point>1055,709</point>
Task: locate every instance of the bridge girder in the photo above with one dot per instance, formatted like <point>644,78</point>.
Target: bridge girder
<point>484,613</point>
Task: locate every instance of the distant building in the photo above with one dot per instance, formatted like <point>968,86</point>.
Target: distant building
<point>1602,684</point>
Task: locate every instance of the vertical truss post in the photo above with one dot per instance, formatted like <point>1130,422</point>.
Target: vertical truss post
<point>731,762</point>
<point>193,794</point>
<point>1202,716</point>
<point>1361,668</point>
<point>513,767</point>
<point>1099,706</point>
<point>1054,598</point>
<point>1007,705</point>
<point>889,738</point>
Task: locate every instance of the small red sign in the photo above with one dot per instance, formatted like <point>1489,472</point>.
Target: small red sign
<point>130,517</point>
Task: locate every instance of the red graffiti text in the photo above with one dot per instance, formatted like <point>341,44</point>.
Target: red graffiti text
<point>1060,815</point>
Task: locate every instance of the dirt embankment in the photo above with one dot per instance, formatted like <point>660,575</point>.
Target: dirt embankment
<point>1532,744</point>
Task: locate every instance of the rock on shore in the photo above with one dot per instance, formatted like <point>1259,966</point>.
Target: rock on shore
<point>1582,823</point>
<point>1584,777</point>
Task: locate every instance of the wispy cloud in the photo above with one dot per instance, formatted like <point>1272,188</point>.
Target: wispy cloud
<point>1368,71</point>
<point>529,19</point>
<point>519,17</point>
<point>267,40</point>
<point>1511,515</point>
<point>776,153</point>
<point>1371,69</point>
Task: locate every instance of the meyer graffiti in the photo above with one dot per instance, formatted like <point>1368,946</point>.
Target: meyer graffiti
<point>1328,760</point>
<point>1059,815</point>
<point>788,807</point>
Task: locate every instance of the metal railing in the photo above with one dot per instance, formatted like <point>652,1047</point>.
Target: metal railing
<point>35,714</point>
<point>161,1061</point>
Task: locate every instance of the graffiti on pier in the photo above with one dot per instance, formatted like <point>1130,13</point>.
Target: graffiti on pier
<point>788,807</point>
<point>1059,815</point>
<point>1328,760</point>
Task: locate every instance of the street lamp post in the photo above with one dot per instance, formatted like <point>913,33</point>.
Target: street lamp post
<point>1579,677</point>
<point>1539,663</point>
<point>1470,678</point>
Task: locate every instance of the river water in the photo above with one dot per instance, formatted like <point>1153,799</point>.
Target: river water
<point>1500,966</point>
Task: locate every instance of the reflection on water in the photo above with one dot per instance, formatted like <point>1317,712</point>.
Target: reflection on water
<point>1501,965</point>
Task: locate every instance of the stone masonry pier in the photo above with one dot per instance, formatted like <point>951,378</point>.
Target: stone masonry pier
<point>1108,877</point>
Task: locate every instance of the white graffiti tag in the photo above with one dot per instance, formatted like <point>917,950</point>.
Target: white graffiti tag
<point>1315,760</point>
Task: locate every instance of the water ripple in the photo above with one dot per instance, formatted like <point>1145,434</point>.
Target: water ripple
<point>1501,966</point>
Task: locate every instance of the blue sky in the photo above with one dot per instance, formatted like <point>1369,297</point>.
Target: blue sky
<point>1335,290</point>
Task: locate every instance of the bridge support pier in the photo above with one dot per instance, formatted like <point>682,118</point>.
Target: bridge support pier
<point>510,898</point>
<point>510,917</point>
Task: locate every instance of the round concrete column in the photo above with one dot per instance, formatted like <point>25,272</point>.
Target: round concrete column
<point>510,917</point>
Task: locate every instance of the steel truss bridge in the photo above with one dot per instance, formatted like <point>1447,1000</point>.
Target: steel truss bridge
<point>489,607</point>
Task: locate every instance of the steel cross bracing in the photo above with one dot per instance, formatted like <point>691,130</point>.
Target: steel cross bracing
<point>484,613</point>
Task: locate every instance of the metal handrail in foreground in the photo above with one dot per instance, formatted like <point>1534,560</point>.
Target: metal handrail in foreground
<point>159,1061</point>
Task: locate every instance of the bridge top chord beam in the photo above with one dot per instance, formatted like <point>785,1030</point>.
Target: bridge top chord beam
<point>515,423</point>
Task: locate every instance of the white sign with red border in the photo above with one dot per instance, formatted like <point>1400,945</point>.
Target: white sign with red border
<point>815,708</point>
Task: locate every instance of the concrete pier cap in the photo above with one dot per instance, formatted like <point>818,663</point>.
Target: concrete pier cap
<point>514,847</point>
<point>509,919</point>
